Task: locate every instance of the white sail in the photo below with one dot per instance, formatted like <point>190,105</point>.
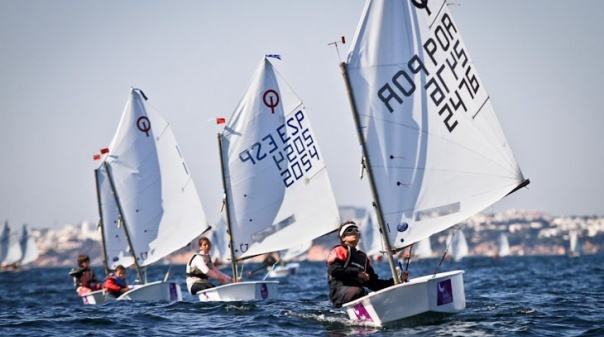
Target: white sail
<point>371,241</point>
<point>115,243</point>
<point>278,191</point>
<point>4,241</point>
<point>573,241</point>
<point>503,245</point>
<point>423,249</point>
<point>160,207</point>
<point>11,249</point>
<point>28,247</point>
<point>220,242</point>
<point>459,247</point>
<point>295,252</point>
<point>434,145</point>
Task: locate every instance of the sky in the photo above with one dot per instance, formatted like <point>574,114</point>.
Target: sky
<point>67,66</point>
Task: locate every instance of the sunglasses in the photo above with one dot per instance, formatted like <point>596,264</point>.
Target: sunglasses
<point>351,230</point>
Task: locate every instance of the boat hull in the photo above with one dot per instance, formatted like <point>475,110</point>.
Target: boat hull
<point>441,294</point>
<point>154,291</point>
<point>242,291</point>
<point>97,297</point>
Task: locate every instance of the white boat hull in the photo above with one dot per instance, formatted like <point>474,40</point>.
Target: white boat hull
<point>155,291</point>
<point>440,294</point>
<point>284,271</point>
<point>97,297</point>
<point>242,291</point>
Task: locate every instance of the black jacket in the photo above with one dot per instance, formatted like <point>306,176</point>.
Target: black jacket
<point>343,266</point>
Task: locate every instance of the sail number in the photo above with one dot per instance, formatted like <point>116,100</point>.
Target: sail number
<point>449,77</point>
<point>290,146</point>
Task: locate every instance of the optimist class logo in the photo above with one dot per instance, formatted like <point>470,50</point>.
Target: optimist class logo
<point>271,99</point>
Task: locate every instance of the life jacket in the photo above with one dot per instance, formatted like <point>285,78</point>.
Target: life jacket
<point>76,273</point>
<point>195,272</point>
<point>118,281</point>
<point>349,261</point>
<point>83,277</point>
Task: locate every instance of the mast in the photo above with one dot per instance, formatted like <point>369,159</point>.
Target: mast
<point>123,220</point>
<point>376,198</point>
<point>101,221</point>
<point>227,211</point>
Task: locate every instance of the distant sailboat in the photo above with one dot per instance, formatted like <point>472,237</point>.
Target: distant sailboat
<point>458,246</point>
<point>277,191</point>
<point>371,241</point>
<point>10,249</point>
<point>220,244</point>
<point>573,248</point>
<point>423,249</point>
<point>4,242</point>
<point>29,248</point>
<point>503,245</point>
<point>287,265</point>
<point>17,249</point>
<point>433,148</point>
<point>148,203</point>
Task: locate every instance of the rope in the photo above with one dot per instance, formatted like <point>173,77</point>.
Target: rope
<point>446,250</point>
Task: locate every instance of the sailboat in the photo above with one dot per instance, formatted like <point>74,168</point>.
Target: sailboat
<point>16,249</point>
<point>573,249</point>
<point>29,248</point>
<point>148,203</point>
<point>423,249</point>
<point>277,191</point>
<point>371,240</point>
<point>458,245</point>
<point>220,244</point>
<point>503,245</point>
<point>4,241</point>
<point>10,249</point>
<point>433,148</point>
<point>287,265</point>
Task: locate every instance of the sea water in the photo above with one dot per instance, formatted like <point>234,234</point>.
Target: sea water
<point>509,296</point>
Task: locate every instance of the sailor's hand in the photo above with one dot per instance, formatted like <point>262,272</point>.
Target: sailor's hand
<point>404,276</point>
<point>364,276</point>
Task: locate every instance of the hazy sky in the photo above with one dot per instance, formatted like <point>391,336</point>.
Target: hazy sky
<point>67,66</point>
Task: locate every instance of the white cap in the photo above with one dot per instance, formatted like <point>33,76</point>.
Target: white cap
<point>352,224</point>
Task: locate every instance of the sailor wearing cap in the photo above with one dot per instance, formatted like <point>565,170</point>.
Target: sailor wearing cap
<point>349,270</point>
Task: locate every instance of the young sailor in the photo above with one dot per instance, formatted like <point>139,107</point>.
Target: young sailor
<point>84,279</point>
<point>349,270</point>
<point>115,283</point>
<point>200,268</point>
